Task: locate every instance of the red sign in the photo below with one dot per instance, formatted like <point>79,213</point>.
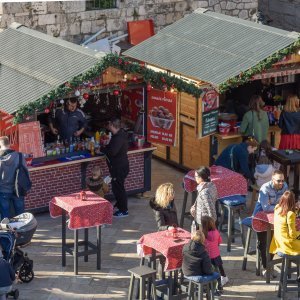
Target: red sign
<point>161,119</point>
<point>30,139</point>
<point>210,101</point>
<point>132,103</point>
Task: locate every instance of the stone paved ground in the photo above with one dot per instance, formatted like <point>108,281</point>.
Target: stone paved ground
<point>53,282</point>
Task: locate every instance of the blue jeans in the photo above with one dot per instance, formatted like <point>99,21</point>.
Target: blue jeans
<point>5,201</point>
<point>204,277</point>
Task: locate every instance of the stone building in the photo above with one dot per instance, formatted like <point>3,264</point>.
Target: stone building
<point>75,21</point>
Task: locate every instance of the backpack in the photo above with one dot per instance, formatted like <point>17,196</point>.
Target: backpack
<point>22,182</point>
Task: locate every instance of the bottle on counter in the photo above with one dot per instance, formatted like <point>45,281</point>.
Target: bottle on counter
<point>97,137</point>
<point>193,228</point>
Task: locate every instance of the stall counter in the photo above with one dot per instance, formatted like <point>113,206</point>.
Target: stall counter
<point>235,138</point>
<point>61,178</point>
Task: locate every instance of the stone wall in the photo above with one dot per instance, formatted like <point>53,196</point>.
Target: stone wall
<point>284,14</point>
<point>70,20</point>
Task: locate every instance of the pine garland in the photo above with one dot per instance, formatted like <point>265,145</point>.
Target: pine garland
<point>160,80</point>
<point>261,67</point>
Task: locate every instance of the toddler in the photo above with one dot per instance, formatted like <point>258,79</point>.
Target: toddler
<point>212,241</point>
<point>96,184</point>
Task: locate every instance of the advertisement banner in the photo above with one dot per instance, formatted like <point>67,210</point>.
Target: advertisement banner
<point>161,118</point>
<point>132,103</point>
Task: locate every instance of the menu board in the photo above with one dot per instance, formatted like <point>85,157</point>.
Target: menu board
<point>30,139</point>
<point>210,122</point>
<point>161,118</point>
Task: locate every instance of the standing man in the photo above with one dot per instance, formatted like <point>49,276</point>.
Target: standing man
<point>68,122</point>
<point>269,195</point>
<point>118,164</point>
<point>9,162</point>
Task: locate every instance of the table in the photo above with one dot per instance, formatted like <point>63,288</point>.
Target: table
<point>228,183</point>
<point>93,212</point>
<point>286,160</point>
<point>264,221</point>
<point>171,248</point>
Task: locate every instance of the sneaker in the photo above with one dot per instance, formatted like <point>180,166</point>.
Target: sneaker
<point>224,280</point>
<point>120,214</point>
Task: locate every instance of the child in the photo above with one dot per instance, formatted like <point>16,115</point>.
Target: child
<point>212,242</point>
<point>96,183</point>
<point>196,261</point>
<point>163,206</point>
<point>7,277</point>
<point>265,167</point>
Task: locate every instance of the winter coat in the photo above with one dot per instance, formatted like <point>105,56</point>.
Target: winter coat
<point>239,161</point>
<point>212,243</point>
<point>263,173</point>
<point>9,162</point>
<point>289,122</point>
<point>205,204</point>
<point>195,260</point>
<point>164,217</point>
<point>7,274</point>
<point>252,125</point>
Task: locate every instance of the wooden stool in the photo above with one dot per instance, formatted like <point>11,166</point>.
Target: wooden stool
<point>142,273</point>
<point>208,284</point>
<point>255,191</point>
<point>248,223</point>
<point>233,207</point>
<point>285,274</point>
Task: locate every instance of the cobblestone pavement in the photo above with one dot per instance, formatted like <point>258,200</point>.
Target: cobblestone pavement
<point>54,282</point>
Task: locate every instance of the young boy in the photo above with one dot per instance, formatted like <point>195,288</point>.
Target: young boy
<point>96,184</point>
<point>7,277</point>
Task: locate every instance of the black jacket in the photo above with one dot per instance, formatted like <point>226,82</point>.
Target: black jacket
<point>289,122</point>
<point>196,260</point>
<point>7,274</point>
<point>116,150</point>
<point>164,217</point>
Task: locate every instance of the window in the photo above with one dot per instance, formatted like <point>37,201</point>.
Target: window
<point>100,4</point>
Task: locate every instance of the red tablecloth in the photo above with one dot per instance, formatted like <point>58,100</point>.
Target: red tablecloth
<point>228,183</point>
<point>262,219</point>
<point>170,247</point>
<point>94,211</point>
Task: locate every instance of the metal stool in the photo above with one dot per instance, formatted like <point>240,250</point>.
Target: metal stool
<point>248,223</point>
<point>209,284</point>
<point>285,274</point>
<point>142,273</point>
<point>234,205</point>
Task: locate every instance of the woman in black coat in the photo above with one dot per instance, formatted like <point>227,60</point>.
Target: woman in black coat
<point>163,207</point>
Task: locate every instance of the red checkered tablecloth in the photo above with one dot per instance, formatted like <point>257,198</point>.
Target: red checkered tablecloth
<point>228,183</point>
<point>93,212</point>
<point>165,244</point>
<point>261,221</point>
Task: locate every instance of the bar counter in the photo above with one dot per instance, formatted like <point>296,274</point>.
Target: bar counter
<point>56,178</point>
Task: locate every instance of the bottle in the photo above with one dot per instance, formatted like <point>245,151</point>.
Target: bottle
<point>97,137</point>
<point>193,228</point>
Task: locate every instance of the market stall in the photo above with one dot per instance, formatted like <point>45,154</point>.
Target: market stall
<point>230,60</point>
<point>71,81</point>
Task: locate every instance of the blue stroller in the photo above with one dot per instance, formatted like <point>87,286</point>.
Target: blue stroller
<point>15,233</point>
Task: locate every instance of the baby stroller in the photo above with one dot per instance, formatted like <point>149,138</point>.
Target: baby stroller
<point>15,233</point>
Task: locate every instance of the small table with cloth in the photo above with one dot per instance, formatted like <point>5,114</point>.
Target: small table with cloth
<point>93,212</point>
<point>170,247</point>
<point>228,183</point>
<point>264,221</point>
<point>286,159</point>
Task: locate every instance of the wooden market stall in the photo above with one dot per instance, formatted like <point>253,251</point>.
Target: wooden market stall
<point>220,55</point>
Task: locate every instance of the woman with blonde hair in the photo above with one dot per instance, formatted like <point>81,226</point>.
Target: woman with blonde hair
<point>286,238</point>
<point>163,206</point>
<point>289,122</point>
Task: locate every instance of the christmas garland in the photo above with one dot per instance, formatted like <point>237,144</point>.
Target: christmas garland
<point>265,64</point>
<point>160,80</point>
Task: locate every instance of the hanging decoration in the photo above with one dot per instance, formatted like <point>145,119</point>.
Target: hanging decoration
<point>261,67</point>
<point>85,96</point>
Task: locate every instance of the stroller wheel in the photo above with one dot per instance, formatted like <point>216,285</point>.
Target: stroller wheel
<point>26,274</point>
<point>16,294</point>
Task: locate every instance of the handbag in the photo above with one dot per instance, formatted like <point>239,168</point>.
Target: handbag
<point>22,179</point>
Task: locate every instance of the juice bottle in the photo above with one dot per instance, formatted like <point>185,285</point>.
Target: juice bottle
<point>97,137</point>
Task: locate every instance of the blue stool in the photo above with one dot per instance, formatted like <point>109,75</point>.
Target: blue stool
<point>201,282</point>
<point>233,205</point>
<point>248,223</point>
<point>285,274</point>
